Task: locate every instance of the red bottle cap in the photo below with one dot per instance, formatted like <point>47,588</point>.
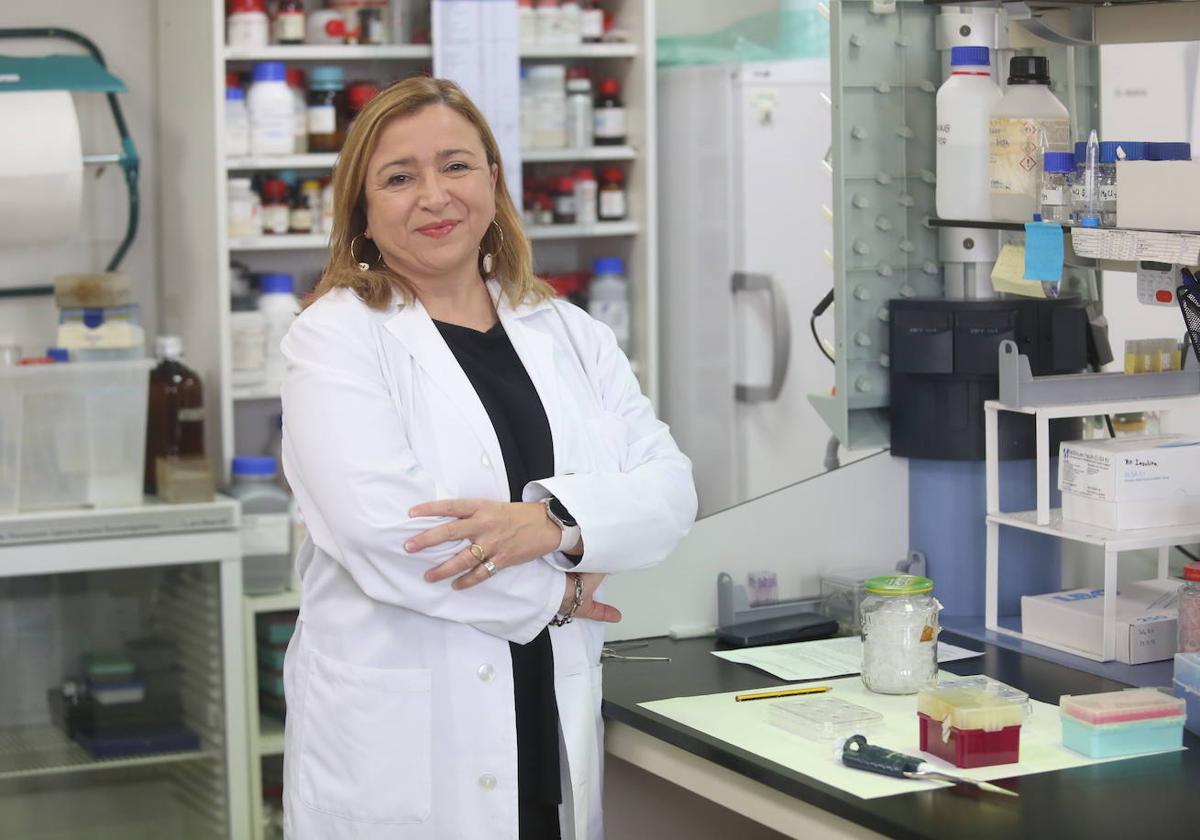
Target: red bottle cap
<point>360,94</point>
<point>233,79</point>
<point>1191,571</point>
<point>566,184</point>
<point>274,189</point>
<point>610,87</point>
<point>579,73</point>
<point>295,77</point>
<point>236,6</point>
<point>612,173</point>
<point>36,360</point>
<point>585,173</point>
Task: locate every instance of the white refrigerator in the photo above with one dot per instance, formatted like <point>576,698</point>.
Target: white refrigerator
<point>745,242</point>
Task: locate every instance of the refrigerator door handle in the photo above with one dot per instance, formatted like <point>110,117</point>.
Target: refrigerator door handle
<point>781,336</point>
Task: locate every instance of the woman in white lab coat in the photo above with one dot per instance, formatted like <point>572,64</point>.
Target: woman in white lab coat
<point>471,457</point>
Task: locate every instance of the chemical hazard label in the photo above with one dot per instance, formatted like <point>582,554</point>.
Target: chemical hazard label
<point>1016,152</point>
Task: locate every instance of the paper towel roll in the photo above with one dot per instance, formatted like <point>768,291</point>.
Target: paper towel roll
<point>41,167</point>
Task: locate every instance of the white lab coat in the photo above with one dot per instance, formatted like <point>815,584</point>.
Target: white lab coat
<point>400,692</point>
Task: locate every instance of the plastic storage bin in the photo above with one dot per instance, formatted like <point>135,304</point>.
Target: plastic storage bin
<point>72,435</point>
<point>1186,686</point>
<point>972,722</point>
<point>842,594</point>
<point>824,718</point>
<point>1139,720</point>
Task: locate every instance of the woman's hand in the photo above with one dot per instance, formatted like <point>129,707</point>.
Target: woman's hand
<point>510,533</point>
<point>590,609</point>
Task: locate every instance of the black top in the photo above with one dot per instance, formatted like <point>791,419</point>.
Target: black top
<point>1152,796</point>
<point>515,409</point>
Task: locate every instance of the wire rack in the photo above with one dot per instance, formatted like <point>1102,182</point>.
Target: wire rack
<point>1189,303</point>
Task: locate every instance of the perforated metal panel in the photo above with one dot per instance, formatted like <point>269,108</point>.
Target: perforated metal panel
<point>886,72</point>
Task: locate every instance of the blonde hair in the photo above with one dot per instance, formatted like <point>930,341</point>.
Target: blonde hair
<point>513,265</point>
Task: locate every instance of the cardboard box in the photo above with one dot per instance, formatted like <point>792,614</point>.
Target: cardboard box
<point>1126,483</point>
<point>1158,194</point>
<point>1147,614</point>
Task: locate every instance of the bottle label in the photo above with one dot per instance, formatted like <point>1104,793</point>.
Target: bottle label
<point>289,26</point>
<point>612,204</point>
<point>249,347</point>
<point>194,414</point>
<point>591,23</point>
<point>1052,196</point>
<point>276,218</point>
<point>300,220</point>
<point>322,119</point>
<point>609,123</point>
<point>1016,143</point>
<point>265,534</point>
<point>616,315</point>
<point>1108,192</point>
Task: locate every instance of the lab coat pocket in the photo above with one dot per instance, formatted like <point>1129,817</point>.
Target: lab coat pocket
<point>610,446</point>
<point>366,746</point>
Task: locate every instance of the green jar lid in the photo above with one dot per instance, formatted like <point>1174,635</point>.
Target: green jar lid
<point>899,585</point>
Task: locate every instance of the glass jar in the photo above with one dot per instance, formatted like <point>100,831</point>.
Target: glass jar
<point>1189,610</point>
<point>899,634</point>
<point>1055,204</point>
<point>326,110</point>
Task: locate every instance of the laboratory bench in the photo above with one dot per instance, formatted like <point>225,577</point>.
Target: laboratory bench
<point>1152,796</point>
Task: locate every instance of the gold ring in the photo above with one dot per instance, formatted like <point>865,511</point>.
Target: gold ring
<point>477,552</point>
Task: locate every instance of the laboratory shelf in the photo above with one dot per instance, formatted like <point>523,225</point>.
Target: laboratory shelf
<point>581,51</point>
<point>332,52</point>
<point>45,750</point>
<point>596,231</point>
<point>289,600</point>
<point>281,242</point>
<point>270,735</point>
<point>588,153</point>
<point>315,160</point>
<point>976,223</point>
<point>259,392</point>
<point>1129,540</point>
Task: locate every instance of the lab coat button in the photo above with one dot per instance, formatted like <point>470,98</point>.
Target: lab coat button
<point>485,673</point>
<point>487,781</point>
<point>485,460</point>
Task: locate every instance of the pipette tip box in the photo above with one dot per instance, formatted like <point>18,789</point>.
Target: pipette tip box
<point>972,722</point>
<point>1137,720</point>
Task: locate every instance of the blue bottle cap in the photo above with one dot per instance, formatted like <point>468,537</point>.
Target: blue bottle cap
<point>1059,162</point>
<point>608,265</point>
<point>270,71</point>
<point>1080,153</point>
<point>1168,151</point>
<point>326,78</point>
<point>58,354</point>
<point>1133,149</point>
<point>970,57</point>
<point>234,94</point>
<point>276,284</point>
<point>254,465</point>
<point>1108,151</point>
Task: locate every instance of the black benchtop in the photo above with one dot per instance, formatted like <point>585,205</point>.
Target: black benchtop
<point>1155,797</point>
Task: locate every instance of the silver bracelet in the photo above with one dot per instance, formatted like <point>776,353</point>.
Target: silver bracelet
<point>566,618</point>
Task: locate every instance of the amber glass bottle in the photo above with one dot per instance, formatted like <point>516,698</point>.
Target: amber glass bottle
<point>175,422</point>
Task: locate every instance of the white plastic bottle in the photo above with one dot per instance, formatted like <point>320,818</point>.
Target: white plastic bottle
<point>526,24</point>
<point>608,297</point>
<point>271,106</point>
<point>1026,122</point>
<point>964,108</point>
<point>279,307</point>
<point>580,115</point>
<point>549,23</point>
<point>571,28</point>
<point>587,193</point>
<point>248,341</point>
<point>295,80</point>
<point>237,123</point>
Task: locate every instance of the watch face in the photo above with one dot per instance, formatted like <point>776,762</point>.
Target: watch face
<point>560,510</point>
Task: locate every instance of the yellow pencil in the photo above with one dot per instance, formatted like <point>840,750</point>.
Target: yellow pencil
<point>789,692</point>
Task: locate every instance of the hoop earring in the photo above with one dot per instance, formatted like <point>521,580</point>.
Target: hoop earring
<point>362,266</point>
<point>489,259</point>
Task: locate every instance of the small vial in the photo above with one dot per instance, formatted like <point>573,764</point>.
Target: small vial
<point>1055,204</point>
<point>1084,199</point>
<point>1106,183</point>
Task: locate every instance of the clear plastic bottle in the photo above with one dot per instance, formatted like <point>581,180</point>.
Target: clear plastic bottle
<point>266,525</point>
<point>1189,610</point>
<point>899,634</point>
<point>1055,204</point>
<point>1028,120</point>
<point>279,306</point>
<point>608,297</point>
<point>964,107</point>
<point>237,123</point>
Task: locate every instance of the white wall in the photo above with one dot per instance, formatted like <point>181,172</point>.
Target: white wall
<point>700,17</point>
<point>124,32</point>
